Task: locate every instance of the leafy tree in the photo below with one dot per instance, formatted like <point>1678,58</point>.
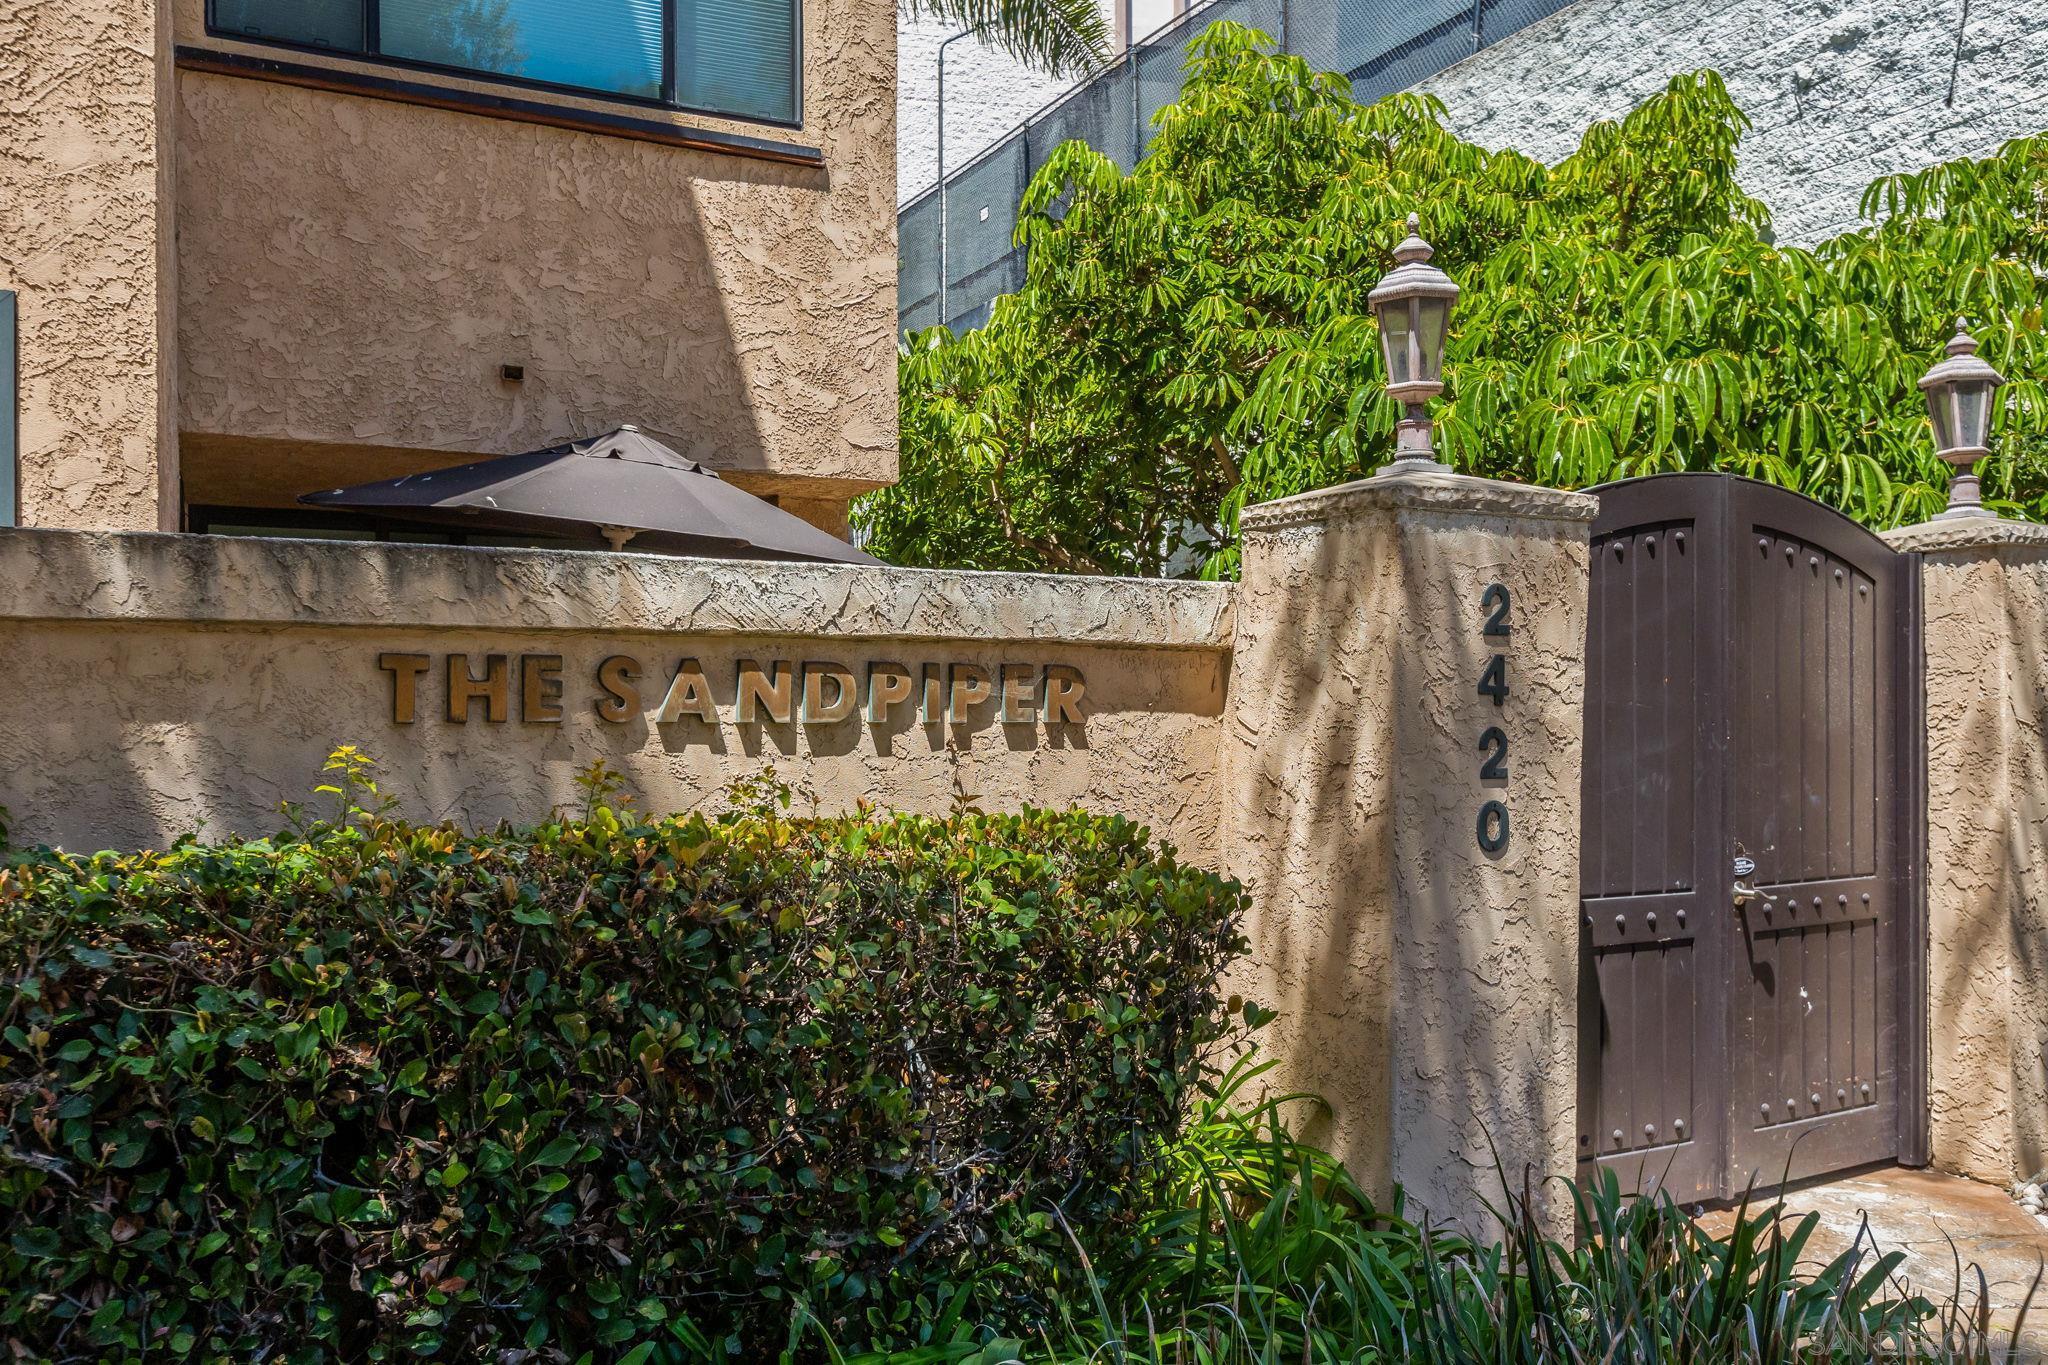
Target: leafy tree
<point>1193,337</point>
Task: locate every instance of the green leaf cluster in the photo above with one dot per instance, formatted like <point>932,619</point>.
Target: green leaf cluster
<point>1193,336</point>
<point>1260,1249</point>
<point>602,1089</point>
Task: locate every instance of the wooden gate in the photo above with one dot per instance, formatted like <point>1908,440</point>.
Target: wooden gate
<point>1750,998</point>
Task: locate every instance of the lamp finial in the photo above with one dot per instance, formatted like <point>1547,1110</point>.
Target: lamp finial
<point>1413,248</point>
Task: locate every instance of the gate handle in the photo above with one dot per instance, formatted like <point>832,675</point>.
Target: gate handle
<point>1745,894</point>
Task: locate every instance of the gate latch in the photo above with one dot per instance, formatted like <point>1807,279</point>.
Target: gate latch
<point>1744,894</point>
<point>1745,891</point>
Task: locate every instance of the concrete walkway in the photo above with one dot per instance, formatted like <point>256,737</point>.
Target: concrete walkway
<point>1940,1222</point>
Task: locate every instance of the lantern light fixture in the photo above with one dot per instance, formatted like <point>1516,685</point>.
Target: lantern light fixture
<point>1959,390</point>
<point>1413,305</point>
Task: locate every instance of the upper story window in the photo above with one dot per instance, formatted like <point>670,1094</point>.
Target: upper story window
<point>735,57</point>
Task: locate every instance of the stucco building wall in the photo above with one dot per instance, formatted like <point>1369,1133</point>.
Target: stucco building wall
<point>1839,92</point>
<point>235,290</point>
<point>1985,585</point>
<point>84,242</point>
<point>172,683</point>
<point>354,272</point>
<point>1426,988</point>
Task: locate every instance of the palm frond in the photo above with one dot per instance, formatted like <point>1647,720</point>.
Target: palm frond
<point>1057,37</point>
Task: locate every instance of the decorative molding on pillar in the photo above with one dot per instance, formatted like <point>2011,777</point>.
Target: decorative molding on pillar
<point>1426,491</point>
<point>1962,534</point>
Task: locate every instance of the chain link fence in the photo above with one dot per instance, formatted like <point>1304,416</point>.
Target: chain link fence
<point>954,241</point>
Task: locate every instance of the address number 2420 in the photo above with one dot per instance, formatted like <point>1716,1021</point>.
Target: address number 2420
<point>1493,825</point>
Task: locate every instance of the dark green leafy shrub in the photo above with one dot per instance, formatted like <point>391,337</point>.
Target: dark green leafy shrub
<point>642,1090</point>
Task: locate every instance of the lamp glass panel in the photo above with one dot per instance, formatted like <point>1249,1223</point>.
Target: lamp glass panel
<point>1395,339</point>
<point>1941,411</point>
<point>1430,318</point>
<point>1973,407</point>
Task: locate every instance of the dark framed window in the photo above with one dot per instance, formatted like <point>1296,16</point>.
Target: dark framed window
<point>738,58</point>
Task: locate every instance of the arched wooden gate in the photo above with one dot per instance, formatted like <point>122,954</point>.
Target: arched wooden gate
<point>1750,981</point>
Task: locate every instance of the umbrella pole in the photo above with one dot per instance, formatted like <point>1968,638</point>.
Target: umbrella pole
<point>618,535</point>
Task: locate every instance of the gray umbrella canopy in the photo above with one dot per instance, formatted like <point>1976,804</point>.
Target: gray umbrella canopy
<point>622,482</point>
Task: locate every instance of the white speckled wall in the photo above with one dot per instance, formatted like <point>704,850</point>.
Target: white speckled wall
<point>1839,92</point>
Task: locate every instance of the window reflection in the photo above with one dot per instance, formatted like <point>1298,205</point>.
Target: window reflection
<point>611,45</point>
<point>734,57</point>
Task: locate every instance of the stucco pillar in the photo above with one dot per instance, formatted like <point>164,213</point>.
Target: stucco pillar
<point>1985,588</point>
<point>87,98</point>
<point>1427,988</point>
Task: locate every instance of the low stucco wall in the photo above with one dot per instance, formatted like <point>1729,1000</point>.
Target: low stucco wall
<point>167,684</point>
<point>1985,586</point>
<point>1427,988</point>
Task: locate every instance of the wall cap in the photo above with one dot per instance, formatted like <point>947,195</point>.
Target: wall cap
<point>64,575</point>
<point>1428,492</point>
<point>1966,533</point>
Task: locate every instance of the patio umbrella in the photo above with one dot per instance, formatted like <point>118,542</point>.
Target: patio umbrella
<point>623,485</point>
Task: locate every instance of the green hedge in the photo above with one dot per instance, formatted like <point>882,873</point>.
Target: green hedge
<point>599,1089</point>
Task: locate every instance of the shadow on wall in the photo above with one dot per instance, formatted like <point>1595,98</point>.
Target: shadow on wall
<point>1480,964</point>
<point>1419,983</point>
<point>2028,852</point>
<point>1313,821</point>
<point>1970,1000</point>
<point>157,730</point>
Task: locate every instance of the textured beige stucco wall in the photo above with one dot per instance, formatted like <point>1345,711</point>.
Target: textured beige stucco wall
<point>353,272</point>
<point>171,683</point>
<point>1985,586</point>
<point>84,195</point>
<point>1308,778</point>
<point>1427,991</point>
